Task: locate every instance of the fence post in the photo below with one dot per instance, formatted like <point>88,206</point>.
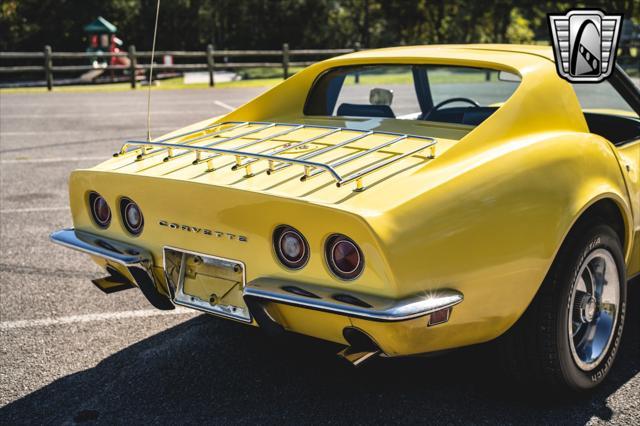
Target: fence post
<point>285,60</point>
<point>210,65</point>
<point>356,48</point>
<point>48,75</point>
<point>133,64</point>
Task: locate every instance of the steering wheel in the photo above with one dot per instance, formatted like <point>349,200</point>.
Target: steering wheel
<point>447,102</point>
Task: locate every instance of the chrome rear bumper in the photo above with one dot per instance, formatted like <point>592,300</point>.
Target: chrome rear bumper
<point>139,263</point>
<point>351,304</point>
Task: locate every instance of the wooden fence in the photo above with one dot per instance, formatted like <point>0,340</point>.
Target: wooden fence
<point>208,63</point>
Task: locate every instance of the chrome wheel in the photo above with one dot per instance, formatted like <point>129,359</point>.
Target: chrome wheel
<point>594,305</point>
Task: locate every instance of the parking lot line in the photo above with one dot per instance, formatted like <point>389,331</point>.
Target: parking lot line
<point>224,105</point>
<point>106,316</point>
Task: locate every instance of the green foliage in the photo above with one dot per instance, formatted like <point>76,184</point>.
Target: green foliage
<point>266,24</point>
<point>519,30</point>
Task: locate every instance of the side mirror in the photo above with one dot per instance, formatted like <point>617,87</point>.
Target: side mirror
<point>509,76</point>
<point>380,96</point>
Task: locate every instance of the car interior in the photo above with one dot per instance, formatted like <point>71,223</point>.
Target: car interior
<point>615,128</point>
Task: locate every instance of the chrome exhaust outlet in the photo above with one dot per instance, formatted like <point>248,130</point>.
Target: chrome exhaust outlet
<point>361,347</point>
<point>114,282</point>
<point>356,357</point>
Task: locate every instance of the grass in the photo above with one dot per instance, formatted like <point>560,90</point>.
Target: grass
<point>254,77</point>
<point>435,77</point>
<point>170,84</point>
<point>265,73</point>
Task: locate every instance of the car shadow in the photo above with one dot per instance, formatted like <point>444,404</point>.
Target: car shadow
<point>207,370</point>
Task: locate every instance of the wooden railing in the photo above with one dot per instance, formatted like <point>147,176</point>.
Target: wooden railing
<point>208,63</point>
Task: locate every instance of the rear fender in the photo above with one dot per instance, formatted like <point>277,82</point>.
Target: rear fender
<point>493,230</point>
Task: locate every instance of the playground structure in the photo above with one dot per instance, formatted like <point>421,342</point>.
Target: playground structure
<point>103,44</point>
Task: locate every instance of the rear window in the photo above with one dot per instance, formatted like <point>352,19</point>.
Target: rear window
<point>451,94</point>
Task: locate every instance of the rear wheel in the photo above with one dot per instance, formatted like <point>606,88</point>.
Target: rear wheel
<point>570,335</point>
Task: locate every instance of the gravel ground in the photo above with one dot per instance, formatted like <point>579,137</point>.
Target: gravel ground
<point>69,354</point>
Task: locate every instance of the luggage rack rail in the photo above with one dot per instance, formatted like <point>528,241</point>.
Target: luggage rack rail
<point>244,159</point>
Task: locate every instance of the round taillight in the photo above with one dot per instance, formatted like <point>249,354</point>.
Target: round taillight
<point>131,216</point>
<point>290,247</point>
<point>100,211</point>
<point>344,257</point>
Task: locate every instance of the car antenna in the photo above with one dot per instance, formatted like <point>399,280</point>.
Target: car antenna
<point>150,82</point>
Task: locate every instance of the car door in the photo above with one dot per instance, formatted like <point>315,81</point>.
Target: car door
<point>630,159</point>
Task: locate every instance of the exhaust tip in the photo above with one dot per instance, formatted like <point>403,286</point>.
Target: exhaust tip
<point>114,282</point>
<point>361,347</point>
<point>355,357</point>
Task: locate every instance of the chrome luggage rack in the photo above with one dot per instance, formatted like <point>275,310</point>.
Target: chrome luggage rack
<point>245,159</point>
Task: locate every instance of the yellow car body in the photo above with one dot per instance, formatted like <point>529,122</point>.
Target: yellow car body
<point>479,219</point>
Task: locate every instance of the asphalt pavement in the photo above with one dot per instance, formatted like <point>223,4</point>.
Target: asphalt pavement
<point>70,354</point>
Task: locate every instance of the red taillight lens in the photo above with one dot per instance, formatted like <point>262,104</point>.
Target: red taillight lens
<point>100,211</point>
<point>344,257</point>
<point>131,216</point>
<point>290,247</point>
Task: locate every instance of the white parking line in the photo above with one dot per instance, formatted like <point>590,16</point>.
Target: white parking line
<point>108,316</point>
<point>52,160</point>
<point>34,209</point>
<point>224,105</point>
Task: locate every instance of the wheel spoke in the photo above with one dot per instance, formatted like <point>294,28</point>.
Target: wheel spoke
<point>577,328</point>
<point>588,279</point>
<point>598,273</point>
<point>581,285</point>
<point>595,303</point>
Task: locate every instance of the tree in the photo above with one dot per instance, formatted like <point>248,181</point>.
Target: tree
<point>266,24</point>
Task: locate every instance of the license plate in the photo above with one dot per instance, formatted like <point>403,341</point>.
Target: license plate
<point>207,283</point>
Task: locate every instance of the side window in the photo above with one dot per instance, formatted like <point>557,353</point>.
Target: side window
<point>602,97</point>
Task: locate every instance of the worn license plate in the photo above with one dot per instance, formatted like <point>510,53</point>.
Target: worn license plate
<point>207,283</point>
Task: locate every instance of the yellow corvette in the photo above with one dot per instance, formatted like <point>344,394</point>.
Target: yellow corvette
<point>398,201</point>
